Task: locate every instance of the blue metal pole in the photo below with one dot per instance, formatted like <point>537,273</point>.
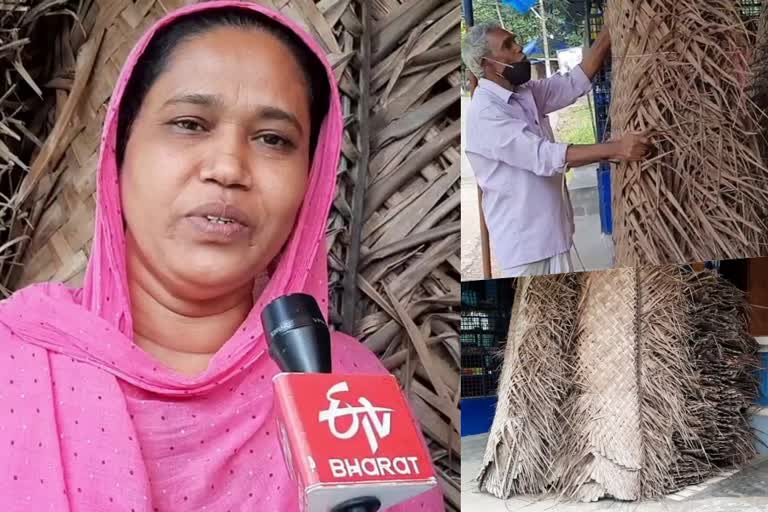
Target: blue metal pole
<point>469,13</point>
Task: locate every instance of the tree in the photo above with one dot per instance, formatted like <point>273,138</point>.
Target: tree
<point>563,22</point>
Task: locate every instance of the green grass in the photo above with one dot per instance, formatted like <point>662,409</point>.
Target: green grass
<point>575,125</point>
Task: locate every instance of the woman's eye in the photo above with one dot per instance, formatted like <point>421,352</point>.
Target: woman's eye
<point>189,125</point>
<point>272,139</point>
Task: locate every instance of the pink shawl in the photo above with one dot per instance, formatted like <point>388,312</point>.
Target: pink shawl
<point>89,422</point>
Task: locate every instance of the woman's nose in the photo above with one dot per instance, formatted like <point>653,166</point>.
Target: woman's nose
<point>227,164</point>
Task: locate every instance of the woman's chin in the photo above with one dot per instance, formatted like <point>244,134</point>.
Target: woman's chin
<point>215,269</point>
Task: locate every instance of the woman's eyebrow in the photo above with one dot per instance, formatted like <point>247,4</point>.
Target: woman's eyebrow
<point>214,100</point>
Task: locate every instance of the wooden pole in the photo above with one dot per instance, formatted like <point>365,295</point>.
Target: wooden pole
<point>349,302</point>
<point>545,39</point>
<point>485,240</point>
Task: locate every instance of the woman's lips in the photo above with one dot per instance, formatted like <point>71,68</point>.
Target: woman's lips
<point>212,231</point>
<point>220,209</point>
<point>206,228</point>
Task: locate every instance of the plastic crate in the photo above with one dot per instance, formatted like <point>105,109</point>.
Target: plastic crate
<point>486,309</point>
<point>469,297</point>
<point>472,386</point>
<point>750,9</point>
<point>480,322</point>
<point>601,89</point>
<point>601,92</point>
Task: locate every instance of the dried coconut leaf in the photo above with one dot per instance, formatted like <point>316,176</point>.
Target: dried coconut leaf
<point>680,71</point>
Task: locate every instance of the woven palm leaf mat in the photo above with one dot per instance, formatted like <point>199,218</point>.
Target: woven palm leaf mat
<point>627,383</point>
<point>681,72</point>
<point>605,451</point>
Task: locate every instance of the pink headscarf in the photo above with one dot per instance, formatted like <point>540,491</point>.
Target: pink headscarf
<point>90,422</point>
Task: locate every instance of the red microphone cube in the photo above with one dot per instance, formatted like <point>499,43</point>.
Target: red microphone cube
<point>346,436</point>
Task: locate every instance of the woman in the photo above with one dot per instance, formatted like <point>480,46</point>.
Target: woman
<point>149,389</point>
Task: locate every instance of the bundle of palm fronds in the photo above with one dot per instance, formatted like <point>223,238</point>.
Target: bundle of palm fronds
<point>535,380</point>
<point>35,81</point>
<point>681,72</point>
<point>722,352</point>
<point>635,385</point>
<point>760,80</point>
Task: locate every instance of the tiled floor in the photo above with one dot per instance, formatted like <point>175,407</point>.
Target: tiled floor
<point>743,491</point>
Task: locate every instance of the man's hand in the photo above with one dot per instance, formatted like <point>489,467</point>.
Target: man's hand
<point>631,147</point>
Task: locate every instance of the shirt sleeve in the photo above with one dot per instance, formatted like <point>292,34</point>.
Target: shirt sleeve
<point>503,138</point>
<point>559,91</point>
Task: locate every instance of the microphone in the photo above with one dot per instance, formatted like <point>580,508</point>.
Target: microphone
<point>298,337</point>
<point>349,441</point>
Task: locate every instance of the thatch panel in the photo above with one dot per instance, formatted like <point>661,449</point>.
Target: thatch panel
<point>704,194</point>
<point>760,80</point>
<point>410,233</point>
<point>642,389</point>
<point>527,427</point>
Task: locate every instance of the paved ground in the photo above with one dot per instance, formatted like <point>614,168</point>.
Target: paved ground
<point>744,491</point>
<point>595,249</point>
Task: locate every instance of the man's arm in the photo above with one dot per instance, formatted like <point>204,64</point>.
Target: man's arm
<point>558,91</point>
<point>594,60</point>
<point>585,154</point>
<point>509,140</point>
<point>629,148</point>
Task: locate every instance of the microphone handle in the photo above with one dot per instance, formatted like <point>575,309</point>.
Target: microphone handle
<point>362,504</point>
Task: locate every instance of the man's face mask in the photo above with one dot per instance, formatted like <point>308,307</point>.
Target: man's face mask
<point>517,73</point>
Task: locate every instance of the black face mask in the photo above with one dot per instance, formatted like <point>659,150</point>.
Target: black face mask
<point>517,73</point>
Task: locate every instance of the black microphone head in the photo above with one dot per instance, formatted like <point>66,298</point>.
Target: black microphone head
<point>297,334</point>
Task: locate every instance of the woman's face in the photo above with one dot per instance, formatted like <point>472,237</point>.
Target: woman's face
<point>217,162</point>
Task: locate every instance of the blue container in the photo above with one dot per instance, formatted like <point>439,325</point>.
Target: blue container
<point>763,376</point>
<point>521,6</point>
<point>760,427</point>
<point>604,196</point>
<point>477,415</point>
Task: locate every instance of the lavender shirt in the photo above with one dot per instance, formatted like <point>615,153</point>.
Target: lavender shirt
<point>519,167</point>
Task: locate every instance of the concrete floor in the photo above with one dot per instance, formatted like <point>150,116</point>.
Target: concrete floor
<point>593,249</point>
<point>743,491</point>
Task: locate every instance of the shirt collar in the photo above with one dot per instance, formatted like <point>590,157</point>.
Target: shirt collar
<point>495,89</point>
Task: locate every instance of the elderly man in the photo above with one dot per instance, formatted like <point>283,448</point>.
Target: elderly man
<point>518,165</point>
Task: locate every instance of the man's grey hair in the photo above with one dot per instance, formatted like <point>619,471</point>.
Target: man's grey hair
<point>476,47</point>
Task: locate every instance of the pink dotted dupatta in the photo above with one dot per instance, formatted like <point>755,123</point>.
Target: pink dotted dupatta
<point>89,422</point>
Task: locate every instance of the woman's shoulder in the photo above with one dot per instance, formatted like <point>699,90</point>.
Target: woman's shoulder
<point>15,309</point>
<point>35,296</point>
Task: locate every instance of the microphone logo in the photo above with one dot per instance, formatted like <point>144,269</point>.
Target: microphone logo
<point>376,421</point>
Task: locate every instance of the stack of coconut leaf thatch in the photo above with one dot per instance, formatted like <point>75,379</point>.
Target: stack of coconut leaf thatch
<point>394,231</point>
<point>681,71</point>
<point>629,383</point>
<point>760,80</point>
